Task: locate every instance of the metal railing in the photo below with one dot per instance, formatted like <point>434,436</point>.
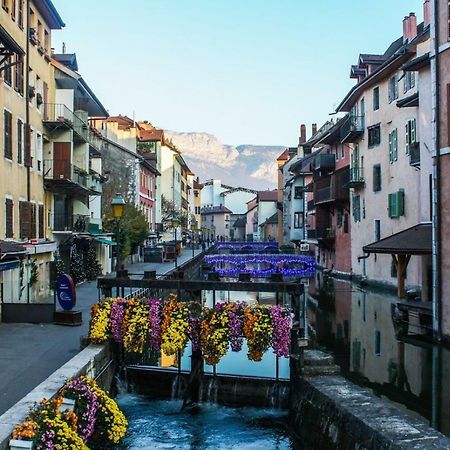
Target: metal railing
<point>77,222</point>
<point>323,194</point>
<point>356,174</point>
<point>352,128</point>
<point>326,233</point>
<point>55,169</point>
<point>55,113</point>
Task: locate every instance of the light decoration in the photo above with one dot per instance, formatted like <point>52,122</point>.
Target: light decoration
<point>263,266</point>
<point>246,245</point>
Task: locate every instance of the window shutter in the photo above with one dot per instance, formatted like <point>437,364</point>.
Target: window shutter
<point>407,138</point>
<point>393,205</point>
<point>412,137</point>
<point>41,222</point>
<point>24,216</point>
<point>27,140</point>
<point>401,203</point>
<point>32,208</point>
<point>7,134</point>
<point>395,144</point>
<point>391,147</point>
<point>9,231</point>
<point>19,141</point>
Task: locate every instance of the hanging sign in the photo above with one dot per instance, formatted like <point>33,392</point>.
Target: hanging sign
<point>65,291</point>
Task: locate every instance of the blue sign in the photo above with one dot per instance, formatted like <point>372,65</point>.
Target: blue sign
<point>65,292</point>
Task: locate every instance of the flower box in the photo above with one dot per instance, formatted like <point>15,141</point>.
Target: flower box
<point>19,444</point>
<point>67,404</point>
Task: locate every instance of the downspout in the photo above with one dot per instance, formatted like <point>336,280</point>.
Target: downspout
<point>28,128</point>
<point>437,232</point>
<point>364,263</point>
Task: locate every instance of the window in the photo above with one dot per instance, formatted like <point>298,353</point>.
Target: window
<point>339,218</point>
<point>376,178</point>
<point>393,89</point>
<point>336,152</point>
<point>393,146</point>
<point>9,224</point>
<point>13,9</point>
<point>374,135</point>
<point>46,41</point>
<point>19,141</point>
<point>396,204</point>
<point>342,151</point>
<point>410,135</point>
<point>20,14</point>
<point>40,151</point>
<point>409,81</point>
<point>7,134</point>
<point>376,98</point>
<point>41,221</point>
<point>298,192</point>
<point>24,219</point>
<point>18,75</point>
<point>7,73</point>
<point>298,220</point>
<point>377,343</point>
<point>377,229</point>
<point>5,5</point>
<point>356,205</point>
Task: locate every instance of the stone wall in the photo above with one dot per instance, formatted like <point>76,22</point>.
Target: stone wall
<point>329,412</point>
<point>94,361</point>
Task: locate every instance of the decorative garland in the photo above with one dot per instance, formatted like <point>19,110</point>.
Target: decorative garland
<point>96,418</point>
<point>284,264</point>
<point>167,326</point>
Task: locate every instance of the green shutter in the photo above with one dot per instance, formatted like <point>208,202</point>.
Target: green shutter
<point>393,205</point>
<point>407,138</point>
<point>401,203</point>
<point>413,131</point>
<point>395,144</point>
<point>391,152</point>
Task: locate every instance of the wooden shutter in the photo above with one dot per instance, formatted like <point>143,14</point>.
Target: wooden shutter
<point>8,135</point>
<point>395,144</point>
<point>45,99</point>
<point>41,222</point>
<point>9,231</point>
<point>407,137</point>
<point>391,147</point>
<point>24,219</point>
<point>32,234</point>
<point>400,203</point>
<point>392,202</point>
<point>19,141</point>
<point>27,140</point>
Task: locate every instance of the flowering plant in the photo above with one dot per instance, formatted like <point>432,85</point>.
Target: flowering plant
<point>215,333</point>
<point>236,320</point>
<point>175,326</point>
<point>281,323</point>
<point>99,327</point>
<point>154,318</point>
<point>137,324</point>
<point>258,330</point>
<point>117,314</point>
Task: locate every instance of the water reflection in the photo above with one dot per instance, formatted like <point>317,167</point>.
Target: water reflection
<point>355,324</point>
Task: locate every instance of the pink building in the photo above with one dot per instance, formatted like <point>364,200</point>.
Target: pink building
<point>147,188</point>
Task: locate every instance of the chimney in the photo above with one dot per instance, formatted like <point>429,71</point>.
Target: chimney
<point>426,13</point>
<point>314,129</point>
<point>302,139</point>
<point>405,29</point>
<point>409,28</point>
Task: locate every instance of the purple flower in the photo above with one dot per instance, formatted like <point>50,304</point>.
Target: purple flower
<point>281,335</point>
<point>155,318</point>
<point>116,319</point>
<point>236,318</point>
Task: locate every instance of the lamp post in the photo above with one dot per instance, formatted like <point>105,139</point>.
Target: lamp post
<point>175,225</point>
<point>117,205</point>
<point>193,230</point>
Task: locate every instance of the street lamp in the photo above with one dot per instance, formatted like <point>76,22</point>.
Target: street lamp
<point>117,205</point>
<point>175,225</point>
<point>193,230</point>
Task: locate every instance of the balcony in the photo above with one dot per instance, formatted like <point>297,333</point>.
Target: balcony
<point>76,223</point>
<point>414,154</point>
<point>325,162</point>
<point>352,129</point>
<point>323,195</point>
<point>332,188</point>
<point>356,177</point>
<point>57,115</point>
<point>63,177</point>
<point>311,233</point>
<point>327,234</point>
<point>311,205</point>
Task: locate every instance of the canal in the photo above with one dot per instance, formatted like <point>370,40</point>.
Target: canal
<point>354,323</point>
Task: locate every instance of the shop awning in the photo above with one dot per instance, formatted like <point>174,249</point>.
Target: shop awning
<point>105,241</point>
<point>412,241</point>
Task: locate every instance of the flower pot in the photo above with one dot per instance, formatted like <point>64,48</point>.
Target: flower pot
<point>67,404</point>
<point>18,444</point>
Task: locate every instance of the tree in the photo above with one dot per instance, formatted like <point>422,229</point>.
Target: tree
<point>76,266</point>
<point>133,229</point>
<point>169,210</point>
<point>93,268</point>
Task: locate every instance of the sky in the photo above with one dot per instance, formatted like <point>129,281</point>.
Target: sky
<point>247,71</point>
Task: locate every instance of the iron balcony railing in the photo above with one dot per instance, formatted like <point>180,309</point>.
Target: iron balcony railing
<point>323,194</point>
<point>325,233</point>
<point>58,113</point>
<point>356,177</point>
<point>352,128</point>
<point>77,223</point>
<point>310,205</point>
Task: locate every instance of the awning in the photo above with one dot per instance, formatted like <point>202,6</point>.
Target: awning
<point>9,44</point>
<point>411,101</point>
<point>105,241</point>
<point>412,241</point>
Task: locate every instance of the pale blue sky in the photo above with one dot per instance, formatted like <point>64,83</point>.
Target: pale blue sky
<point>248,71</point>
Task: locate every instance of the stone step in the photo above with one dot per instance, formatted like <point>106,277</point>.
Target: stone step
<point>318,358</point>
<point>315,371</point>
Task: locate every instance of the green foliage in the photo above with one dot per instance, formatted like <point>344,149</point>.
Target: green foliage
<point>93,268</point>
<point>34,275</point>
<point>76,266</point>
<point>169,210</point>
<point>133,229</point>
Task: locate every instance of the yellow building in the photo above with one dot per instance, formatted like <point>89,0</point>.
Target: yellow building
<point>26,86</point>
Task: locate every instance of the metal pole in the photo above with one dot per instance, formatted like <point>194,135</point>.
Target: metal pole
<point>193,252</point>
<point>117,245</point>
<point>176,260</point>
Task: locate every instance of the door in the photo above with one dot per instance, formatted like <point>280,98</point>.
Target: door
<point>363,113</point>
<point>355,175</point>
<point>61,160</point>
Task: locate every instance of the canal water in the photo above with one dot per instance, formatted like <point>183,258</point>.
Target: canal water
<point>162,425</point>
<point>355,324</point>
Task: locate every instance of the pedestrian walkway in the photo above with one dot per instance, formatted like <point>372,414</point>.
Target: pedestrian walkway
<point>30,353</point>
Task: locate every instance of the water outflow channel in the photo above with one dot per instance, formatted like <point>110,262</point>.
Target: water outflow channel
<point>355,324</point>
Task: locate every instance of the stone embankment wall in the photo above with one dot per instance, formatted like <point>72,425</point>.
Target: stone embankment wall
<point>94,361</point>
<point>329,412</point>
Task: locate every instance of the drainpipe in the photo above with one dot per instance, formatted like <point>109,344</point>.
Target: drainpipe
<point>436,236</point>
<point>364,263</point>
<point>27,128</point>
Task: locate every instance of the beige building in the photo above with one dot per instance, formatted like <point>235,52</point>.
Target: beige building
<point>26,86</point>
<point>390,158</point>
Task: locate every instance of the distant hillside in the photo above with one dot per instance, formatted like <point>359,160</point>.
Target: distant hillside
<point>252,166</point>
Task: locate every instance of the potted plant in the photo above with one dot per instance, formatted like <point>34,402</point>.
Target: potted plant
<point>31,91</point>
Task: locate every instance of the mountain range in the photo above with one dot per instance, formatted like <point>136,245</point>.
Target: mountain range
<point>251,166</point>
